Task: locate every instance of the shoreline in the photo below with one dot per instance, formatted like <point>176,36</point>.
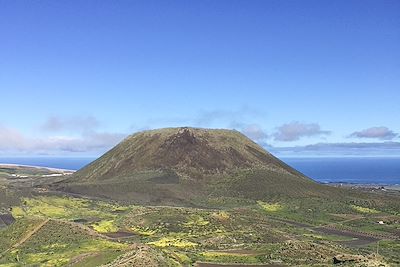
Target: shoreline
<point>351,183</point>
<point>365,185</point>
<point>36,167</point>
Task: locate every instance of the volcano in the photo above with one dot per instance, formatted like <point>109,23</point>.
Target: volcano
<point>186,166</point>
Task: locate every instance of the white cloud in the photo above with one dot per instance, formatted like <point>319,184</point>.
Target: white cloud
<point>340,149</point>
<point>382,133</point>
<point>295,130</point>
<point>77,123</point>
<point>12,141</point>
<point>254,132</point>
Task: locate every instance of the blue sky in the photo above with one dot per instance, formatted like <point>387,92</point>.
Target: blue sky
<point>299,77</point>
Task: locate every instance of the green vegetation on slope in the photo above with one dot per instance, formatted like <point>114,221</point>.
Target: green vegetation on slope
<point>263,232</point>
<point>185,166</point>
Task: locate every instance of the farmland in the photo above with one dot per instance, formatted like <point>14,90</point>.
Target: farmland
<point>79,231</point>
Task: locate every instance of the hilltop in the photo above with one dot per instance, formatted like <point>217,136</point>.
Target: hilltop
<point>186,165</point>
<point>184,150</point>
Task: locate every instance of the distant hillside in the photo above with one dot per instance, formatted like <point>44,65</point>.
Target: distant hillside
<point>182,165</point>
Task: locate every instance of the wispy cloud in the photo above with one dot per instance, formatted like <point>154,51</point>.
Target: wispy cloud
<point>13,141</point>
<point>242,119</point>
<point>93,142</point>
<point>253,131</point>
<point>339,149</point>
<point>295,130</point>
<point>206,118</point>
<point>382,133</point>
<point>77,123</point>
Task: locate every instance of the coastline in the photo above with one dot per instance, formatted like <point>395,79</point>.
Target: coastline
<point>36,167</point>
<point>365,185</point>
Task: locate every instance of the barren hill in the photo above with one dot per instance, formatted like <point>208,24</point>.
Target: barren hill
<point>181,165</point>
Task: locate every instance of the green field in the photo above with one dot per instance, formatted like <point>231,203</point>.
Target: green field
<point>87,232</point>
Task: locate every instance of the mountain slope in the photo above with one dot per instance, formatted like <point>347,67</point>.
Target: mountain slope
<point>179,165</point>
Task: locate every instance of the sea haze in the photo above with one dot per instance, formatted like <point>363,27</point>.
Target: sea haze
<point>362,170</point>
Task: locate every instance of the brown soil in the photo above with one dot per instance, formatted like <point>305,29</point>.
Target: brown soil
<point>359,239</point>
<point>120,234</point>
<point>243,252</point>
<point>6,219</point>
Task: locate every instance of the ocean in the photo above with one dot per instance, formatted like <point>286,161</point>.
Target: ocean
<point>361,170</point>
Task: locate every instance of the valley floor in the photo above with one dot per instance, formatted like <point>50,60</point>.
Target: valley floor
<point>42,228</point>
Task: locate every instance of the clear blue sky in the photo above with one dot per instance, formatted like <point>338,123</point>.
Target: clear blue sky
<point>299,77</point>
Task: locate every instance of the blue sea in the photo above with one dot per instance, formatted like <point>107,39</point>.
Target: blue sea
<point>361,170</point>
